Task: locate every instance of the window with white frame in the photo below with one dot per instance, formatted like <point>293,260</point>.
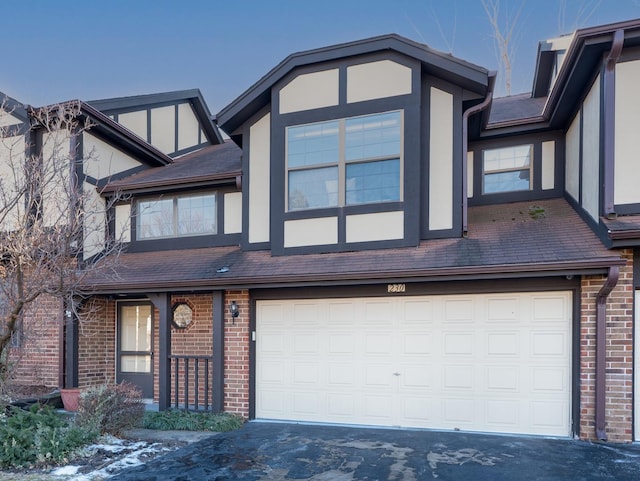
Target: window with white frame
<point>177,216</point>
<point>357,160</point>
<point>507,169</point>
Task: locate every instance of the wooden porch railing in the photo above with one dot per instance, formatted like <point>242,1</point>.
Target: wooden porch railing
<point>191,388</point>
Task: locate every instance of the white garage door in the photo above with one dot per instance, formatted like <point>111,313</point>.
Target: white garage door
<point>498,363</point>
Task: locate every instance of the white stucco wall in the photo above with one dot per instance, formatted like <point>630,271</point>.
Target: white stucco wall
<point>259,174</point>
<point>591,151</point>
<point>441,160</point>
<point>376,80</point>
<point>310,91</point>
<point>627,137</point>
<point>375,226</point>
<point>572,159</point>
<point>309,232</point>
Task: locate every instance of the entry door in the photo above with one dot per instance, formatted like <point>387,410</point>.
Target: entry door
<point>135,346</point>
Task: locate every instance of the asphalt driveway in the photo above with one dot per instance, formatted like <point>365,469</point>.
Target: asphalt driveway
<point>278,452</point>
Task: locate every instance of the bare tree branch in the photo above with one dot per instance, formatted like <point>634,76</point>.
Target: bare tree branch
<point>46,217</point>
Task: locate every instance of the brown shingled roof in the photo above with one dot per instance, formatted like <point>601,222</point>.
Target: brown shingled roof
<point>515,108</point>
<point>520,239</point>
<point>215,162</point>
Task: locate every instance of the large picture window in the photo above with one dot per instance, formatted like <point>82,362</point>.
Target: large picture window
<point>177,216</point>
<point>507,169</point>
<point>349,161</point>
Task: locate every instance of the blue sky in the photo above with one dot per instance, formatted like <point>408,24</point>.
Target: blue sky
<point>65,49</point>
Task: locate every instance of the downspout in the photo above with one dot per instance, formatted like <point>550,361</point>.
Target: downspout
<point>465,143</point>
<point>601,350</point>
<point>609,121</point>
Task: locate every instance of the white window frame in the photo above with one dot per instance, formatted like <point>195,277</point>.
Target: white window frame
<point>175,219</point>
<point>342,163</point>
<point>486,172</point>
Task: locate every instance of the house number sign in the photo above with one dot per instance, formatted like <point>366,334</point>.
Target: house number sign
<point>396,288</point>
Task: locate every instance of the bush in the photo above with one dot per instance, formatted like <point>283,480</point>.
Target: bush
<point>111,408</point>
<point>39,435</point>
<point>190,421</point>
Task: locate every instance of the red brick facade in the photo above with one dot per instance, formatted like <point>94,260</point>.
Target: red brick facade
<point>97,349</point>
<point>96,343</point>
<point>619,352</point>
<point>236,355</point>
<point>38,357</point>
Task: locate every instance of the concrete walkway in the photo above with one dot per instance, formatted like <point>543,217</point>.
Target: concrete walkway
<point>279,452</point>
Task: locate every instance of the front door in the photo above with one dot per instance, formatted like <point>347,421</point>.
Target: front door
<point>134,362</point>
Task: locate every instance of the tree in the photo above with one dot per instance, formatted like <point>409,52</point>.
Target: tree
<point>48,221</point>
<point>503,36</point>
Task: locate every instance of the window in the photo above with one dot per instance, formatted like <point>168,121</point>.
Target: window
<point>345,162</point>
<point>177,216</point>
<point>507,169</point>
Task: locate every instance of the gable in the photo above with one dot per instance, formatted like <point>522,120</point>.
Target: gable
<point>175,123</point>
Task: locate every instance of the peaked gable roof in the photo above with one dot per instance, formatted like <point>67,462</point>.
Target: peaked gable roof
<point>13,107</point>
<point>194,96</point>
<point>214,164</point>
<point>460,72</point>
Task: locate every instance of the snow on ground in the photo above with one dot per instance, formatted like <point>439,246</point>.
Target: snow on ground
<point>108,457</point>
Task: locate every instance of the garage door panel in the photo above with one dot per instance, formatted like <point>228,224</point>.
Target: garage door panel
<point>545,379</point>
<point>458,377</point>
<point>420,312</point>
<point>459,310</point>
<point>341,343</point>
<point>305,343</point>
<point>498,362</point>
<point>378,343</point>
<point>549,308</point>
<point>341,374</point>
<point>503,344</point>
<point>549,343</point>
<point>416,377</point>
<point>458,343</point>
<point>377,312</point>
<point>504,379</point>
<point>378,376</point>
<point>341,407</point>
<point>416,343</point>
<point>377,408</point>
<point>548,415</point>
<point>459,411</point>
<point>503,309</point>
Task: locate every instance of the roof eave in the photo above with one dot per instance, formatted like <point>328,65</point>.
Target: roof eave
<point>563,268</point>
<point>174,184</point>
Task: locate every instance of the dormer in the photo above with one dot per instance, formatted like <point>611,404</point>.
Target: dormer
<point>551,55</point>
<point>176,123</point>
<point>354,146</point>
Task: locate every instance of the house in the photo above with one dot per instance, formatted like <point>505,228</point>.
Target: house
<point>382,242</point>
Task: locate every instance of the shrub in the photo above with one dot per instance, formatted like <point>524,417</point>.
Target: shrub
<point>38,435</point>
<point>111,408</point>
<point>190,421</point>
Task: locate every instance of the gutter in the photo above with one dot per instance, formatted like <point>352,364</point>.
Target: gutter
<point>587,267</point>
<point>465,145</point>
<point>609,78</point>
<point>601,350</point>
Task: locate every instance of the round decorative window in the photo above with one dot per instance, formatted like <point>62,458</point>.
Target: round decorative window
<point>182,315</point>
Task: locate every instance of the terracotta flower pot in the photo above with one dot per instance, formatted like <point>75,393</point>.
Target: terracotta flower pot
<point>70,398</point>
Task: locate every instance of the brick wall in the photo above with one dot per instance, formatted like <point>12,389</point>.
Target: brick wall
<point>619,355</point>
<point>96,343</point>
<point>38,356</point>
<point>236,355</point>
<point>194,340</point>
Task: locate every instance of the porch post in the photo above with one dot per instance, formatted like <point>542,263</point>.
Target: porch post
<point>162,302</point>
<point>217,365</point>
<point>71,346</point>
